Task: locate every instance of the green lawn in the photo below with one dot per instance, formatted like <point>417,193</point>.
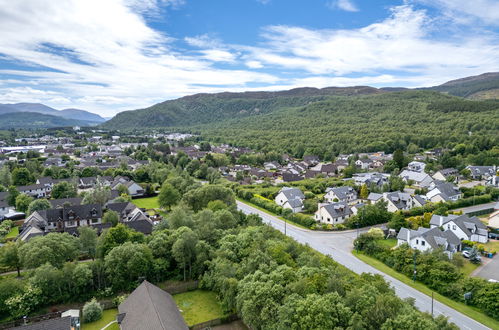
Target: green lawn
<point>13,233</point>
<point>108,315</point>
<point>390,242</point>
<point>198,306</point>
<point>461,307</point>
<point>469,267</point>
<point>147,203</point>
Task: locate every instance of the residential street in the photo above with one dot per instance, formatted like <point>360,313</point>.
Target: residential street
<point>338,245</point>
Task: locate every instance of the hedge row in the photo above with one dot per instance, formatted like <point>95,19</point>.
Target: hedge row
<point>464,202</point>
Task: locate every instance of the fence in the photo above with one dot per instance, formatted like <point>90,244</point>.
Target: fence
<point>214,322</point>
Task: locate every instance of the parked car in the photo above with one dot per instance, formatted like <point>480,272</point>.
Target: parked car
<point>493,236</point>
<point>466,254</point>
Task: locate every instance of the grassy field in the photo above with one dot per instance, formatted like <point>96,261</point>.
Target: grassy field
<point>13,233</point>
<point>469,268</point>
<point>460,307</point>
<point>198,306</point>
<point>147,203</point>
<point>108,315</point>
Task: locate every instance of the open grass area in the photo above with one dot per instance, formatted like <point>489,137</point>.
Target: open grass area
<point>492,245</point>
<point>12,233</point>
<point>108,315</point>
<point>147,203</point>
<point>390,242</point>
<point>460,307</point>
<point>198,306</point>
<point>469,267</point>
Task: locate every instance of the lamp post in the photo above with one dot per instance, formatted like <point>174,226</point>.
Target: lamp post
<point>414,274</point>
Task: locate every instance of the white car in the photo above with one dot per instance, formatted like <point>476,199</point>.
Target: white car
<point>466,254</point>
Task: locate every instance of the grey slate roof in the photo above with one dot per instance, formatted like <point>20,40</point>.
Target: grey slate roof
<point>60,202</point>
<point>337,210</point>
<point>292,193</point>
<point>342,192</point>
<point>60,323</point>
<point>150,308</point>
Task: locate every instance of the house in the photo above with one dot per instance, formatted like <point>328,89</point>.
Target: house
<point>334,213</point>
<point>375,178</point>
<point>420,179</point>
<point>35,190</point>
<point>63,219</point>
<point>364,164</point>
<point>271,166</point>
<point>416,166</point>
<point>291,177</point>
<point>328,169</point>
<point>58,203</point>
<point>311,160</point>
<point>443,192</point>
<point>149,308</point>
<point>132,216</point>
<point>419,201</point>
<point>341,194</point>
<point>398,201</point>
<point>481,172</point>
<point>494,220</point>
<point>374,197</point>
<point>134,189</point>
<point>464,227</point>
<point>425,239</point>
<point>356,208</point>
<point>58,323</point>
<point>49,182</point>
<point>290,198</point>
<point>444,174</point>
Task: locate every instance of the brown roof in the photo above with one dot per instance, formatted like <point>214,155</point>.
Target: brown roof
<point>150,308</point>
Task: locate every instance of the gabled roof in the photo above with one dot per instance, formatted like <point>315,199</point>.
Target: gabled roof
<point>342,192</point>
<point>339,209</point>
<point>60,202</point>
<point>150,308</point>
<point>60,323</point>
<point>292,193</point>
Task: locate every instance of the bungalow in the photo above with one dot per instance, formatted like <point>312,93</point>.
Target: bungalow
<point>379,179</point>
<point>420,179</point>
<point>341,194</point>
<point>149,307</point>
<point>425,239</point>
<point>464,227</point>
<point>132,216</point>
<point>444,174</point>
<point>333,214</point>
<point>134,189</point>
<point>290,198</point>
<point>443,192</point>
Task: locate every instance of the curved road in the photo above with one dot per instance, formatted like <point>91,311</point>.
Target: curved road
<point>339,245</point>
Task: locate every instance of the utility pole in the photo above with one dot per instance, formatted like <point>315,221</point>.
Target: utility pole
<point>285,225</point>
<point>414,276</point>
<point>432,303</point>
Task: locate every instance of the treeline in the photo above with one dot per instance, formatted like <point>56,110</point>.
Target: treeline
<point>458,105</point>
<point>435,270</point>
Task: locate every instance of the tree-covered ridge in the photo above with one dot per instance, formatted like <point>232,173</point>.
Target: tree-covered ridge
<point>33,120</point>
<point>205,108</point>
<point>471,86</point>
<point>386,122</point>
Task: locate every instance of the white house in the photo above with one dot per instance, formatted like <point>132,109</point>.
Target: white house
<point>5,208</point>
<point>420,179</point>
<point>464,227</point>
<point>35,190</point>
<point>290,198</point>
<point>416,166</point>
<point>443,192</point>
<point>444,174</point>
<point>425,239</point>
<point>340,194</point>
<point>333,214</point>
<point>398,201</point>
<point>134,188</point>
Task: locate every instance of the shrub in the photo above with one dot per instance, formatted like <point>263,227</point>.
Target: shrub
<point>92,311</point>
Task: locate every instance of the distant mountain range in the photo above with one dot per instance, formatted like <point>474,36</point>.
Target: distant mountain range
<point>10,115</point>
<point>201,109</point>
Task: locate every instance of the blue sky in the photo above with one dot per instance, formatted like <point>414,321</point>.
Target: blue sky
<point>115,55</point>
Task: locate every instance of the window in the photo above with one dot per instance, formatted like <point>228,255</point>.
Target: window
<point>423,243</point>
<point>70,223</point>
<point>453,227</point>
<point>95,220</point>
<point>417,241</point>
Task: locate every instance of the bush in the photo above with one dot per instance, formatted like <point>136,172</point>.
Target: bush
<point>92,311</point>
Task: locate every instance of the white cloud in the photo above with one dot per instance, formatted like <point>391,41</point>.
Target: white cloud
<point>346,5</point>
<point>402,42</point>
<point>254,64</point>
<point>463,11</point>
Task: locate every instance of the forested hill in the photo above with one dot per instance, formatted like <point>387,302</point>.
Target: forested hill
<point>207,108</point>
<point>484,86</point>
<point>34,120</point>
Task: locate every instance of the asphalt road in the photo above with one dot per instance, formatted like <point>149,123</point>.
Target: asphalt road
<point>339,245</point>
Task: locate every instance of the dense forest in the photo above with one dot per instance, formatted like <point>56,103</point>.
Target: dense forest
<point>34,120</point>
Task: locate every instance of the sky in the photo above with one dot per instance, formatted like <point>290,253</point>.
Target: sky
<point>107,56</point>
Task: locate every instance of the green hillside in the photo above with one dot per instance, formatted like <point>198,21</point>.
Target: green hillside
<point>388,121</point>
<point>207,108</point>
<point>33,120</point>
<point>484,86</point>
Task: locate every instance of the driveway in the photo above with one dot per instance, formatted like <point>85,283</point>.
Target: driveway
<point>339,245</point>
<point>489,269</point>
